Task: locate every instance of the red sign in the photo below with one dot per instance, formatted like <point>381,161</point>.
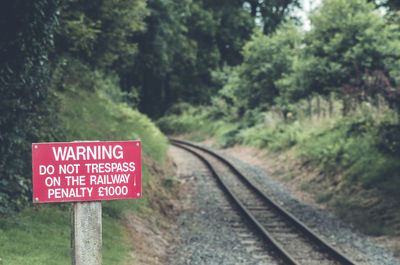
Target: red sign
<point>86,171</point>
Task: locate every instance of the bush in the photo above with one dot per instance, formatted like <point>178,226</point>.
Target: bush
<point>360,149</point>
<point>178,109</point>
<point>191,119</point>
<point>388,139</point>
<point>27,33</point>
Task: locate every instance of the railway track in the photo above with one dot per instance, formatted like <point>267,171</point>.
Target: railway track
<point>293,240</point>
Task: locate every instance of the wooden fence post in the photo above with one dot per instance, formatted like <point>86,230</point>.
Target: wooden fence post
<point>331,100</point>
<point>86,233</point>
<point>309,100</point>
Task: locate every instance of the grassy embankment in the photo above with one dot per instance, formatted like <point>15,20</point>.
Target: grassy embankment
<point>40,234</point>
<point>353,160</point>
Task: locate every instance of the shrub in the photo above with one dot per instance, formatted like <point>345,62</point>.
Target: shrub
<point>388,139</point>
<point>27,33</point>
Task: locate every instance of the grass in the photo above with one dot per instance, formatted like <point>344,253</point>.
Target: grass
<point>37,235</point>
<point>305,186</point>
<point>197,137</point>
<point>364,219</point>
<point>90,115</point>
<point>323,197</point>
<point>41,235</point>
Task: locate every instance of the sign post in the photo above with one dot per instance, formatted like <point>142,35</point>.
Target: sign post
<point>86,233</point>
<point>86,173</point>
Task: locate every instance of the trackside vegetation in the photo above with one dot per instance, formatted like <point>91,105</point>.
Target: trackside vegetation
<point>357,152</point>
<point>328,97</point>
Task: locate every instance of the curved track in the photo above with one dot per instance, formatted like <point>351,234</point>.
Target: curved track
<point>293,240</point>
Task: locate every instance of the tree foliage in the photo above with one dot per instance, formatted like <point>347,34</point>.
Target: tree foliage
<point>351,49</point>
<point>349,42</point>
<point>100,32</point>
<point>391,4</point>
<point>94,45</point>
<point>267,59</point>
<point>49,45</point>
<point>271,13</point>
<point>185,41</point>
<point>181,45</point>
<point>27,29</point>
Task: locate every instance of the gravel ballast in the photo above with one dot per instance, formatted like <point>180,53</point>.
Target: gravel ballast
<point>209,230</point>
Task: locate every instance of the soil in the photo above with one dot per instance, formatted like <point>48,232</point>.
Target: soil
<point>150,231</point>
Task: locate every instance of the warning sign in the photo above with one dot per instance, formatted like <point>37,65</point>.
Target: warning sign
<point>86,171</point>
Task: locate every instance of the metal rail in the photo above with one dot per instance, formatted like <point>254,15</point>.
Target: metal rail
<point>288,258</point>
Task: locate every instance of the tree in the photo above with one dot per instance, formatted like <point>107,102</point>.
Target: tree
<point>183,43</point>
<point>186,40</point>
<point>234,26</point>
<point>348,41</point>
<point>162,43</point>
<point>100,32</point>
<point>391,4</point>
<point>267,59</point>
<point>27,29</point>
<point>270,13</point>
<point>95,45</point>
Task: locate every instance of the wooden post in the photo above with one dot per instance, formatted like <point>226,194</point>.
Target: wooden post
<point>331,99</point>
<point>309,99</point>
<point>86,233</point>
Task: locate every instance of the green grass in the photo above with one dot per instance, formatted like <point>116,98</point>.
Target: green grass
<point>364,219</point>
<point>305,186</point>
<point>115,243</point>
<point>199,124</point>
<point>41,235</point>
<point>324,196</point>
<point>37,235</point>
<point>340,150</point>
<point>115,208</point>
<point>88,115</point>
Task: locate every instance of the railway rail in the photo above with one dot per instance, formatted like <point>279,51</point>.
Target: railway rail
<point>293,240</point>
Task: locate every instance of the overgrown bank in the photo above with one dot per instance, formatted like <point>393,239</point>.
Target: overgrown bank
<point>61,74</point>
<point>40,234</point>
<point>355,158</point>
